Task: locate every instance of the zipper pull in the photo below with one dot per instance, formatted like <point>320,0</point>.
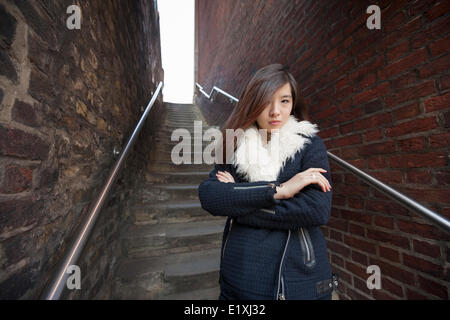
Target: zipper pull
<point>281,296</point>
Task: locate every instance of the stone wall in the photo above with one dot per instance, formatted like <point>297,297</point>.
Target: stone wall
<point>381,100</point>
<point>67,99</point>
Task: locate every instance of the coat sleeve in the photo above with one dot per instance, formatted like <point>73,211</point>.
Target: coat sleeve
<point>309,207</point>
<point>234,199</point>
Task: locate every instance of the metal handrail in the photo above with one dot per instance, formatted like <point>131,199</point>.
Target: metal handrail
<point>395,195</point>
<point>209,96</point>
<point>58,284</point>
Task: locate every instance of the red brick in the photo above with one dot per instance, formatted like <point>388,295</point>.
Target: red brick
<point>374,121</point>
<point>442,177</point>
<point>445,82</point>
<point>438,10</point>
<point>361,285</point>
<point>403,64</point>
<point>357,230</point>
<point>355,203</point>
<point>438,102</point>
<point>372,93</point>
<point>360,258</point>
<point>435,31</point>
<point>356,295</point>
<point>338,248</point>
<point>440,140</point>
<point>356,216</point>
<point>347,140</point>
<point>389,254</point>
<point>363,70</point>
<point>358,244</point>
<point>398,51</point>
<point>407,112</point>
<point>386,147</point>
<point>407,94</point>
<point>17,179</point>
<point>373,135</point>
<point>420,229</point>
<point>378,162</point>
<point>390,286</point>
<point>17,143</point>
<point>412,144</point>
<point>335,235</point>
<point>426,248</point>
<point>386,207</point>
<point>436,67</point>
<point>390,177</point>
<point>398,273</point>
<point>427,196</point>
<point>414,295</point>
<point>338,224</point>
<point>440,46</point>
<point>389,238</point>
<point>413,126</point>
<point>422,265</point>
<point>434,288</point>
<point>419,177</point>
<point>336,260</point>
<point>356,269</point>
<point>384,222</point>
<point>405,80</point>
<point>431,159</point>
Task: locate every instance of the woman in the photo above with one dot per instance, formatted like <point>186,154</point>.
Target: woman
<point>272,245</point>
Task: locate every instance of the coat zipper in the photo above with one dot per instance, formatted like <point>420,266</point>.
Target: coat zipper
<point>308,252</point>
<point>252,187</point>
<point>228,235</point>
<point>281,295</point>
<point>307,248</point>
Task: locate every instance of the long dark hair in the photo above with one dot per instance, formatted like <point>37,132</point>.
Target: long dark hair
<point>255,97</point>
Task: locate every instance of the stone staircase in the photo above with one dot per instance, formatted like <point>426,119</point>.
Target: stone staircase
<point>173,246</point>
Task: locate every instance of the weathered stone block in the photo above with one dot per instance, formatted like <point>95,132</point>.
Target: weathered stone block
<point>17,215</point>
<point>17,179</point>
<point>6,67</point>
<point>41,87</point>
<point>17,143</point>
<point>24,113</point>
<point>7,26</point>
<point>18,284</point>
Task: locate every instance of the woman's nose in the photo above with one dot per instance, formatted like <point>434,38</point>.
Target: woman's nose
<point>274,110</point>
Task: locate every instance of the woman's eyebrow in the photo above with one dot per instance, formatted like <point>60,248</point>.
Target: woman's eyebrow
<point>287,96</point>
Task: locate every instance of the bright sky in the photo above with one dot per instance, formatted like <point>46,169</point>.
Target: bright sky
<point>176,18</point>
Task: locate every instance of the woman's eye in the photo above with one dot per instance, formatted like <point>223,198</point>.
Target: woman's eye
<point>285,101</point>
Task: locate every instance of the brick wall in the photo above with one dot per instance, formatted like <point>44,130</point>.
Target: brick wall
<point>381,100</point>
<point>67,98</point>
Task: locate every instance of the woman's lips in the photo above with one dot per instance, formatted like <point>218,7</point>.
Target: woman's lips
<point>274,122</point>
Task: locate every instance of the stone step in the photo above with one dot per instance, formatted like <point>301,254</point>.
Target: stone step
<point>171,274</point>
<point>167,131</point>
<point>162,239</point>
<point>193,177</point>
<point>169,166</point>
<point>202,294</point>
<point>150,193</point>
<point>171,212</point>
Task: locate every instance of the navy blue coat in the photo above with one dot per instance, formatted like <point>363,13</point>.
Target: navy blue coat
<point>273,249</point>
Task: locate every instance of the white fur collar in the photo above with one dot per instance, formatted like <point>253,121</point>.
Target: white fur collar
<point>259,163</point>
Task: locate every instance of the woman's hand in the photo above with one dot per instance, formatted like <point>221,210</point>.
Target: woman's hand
<point>312,175</point>
<point>224,176</point>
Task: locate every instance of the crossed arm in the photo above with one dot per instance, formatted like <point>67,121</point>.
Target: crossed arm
<point>252,203</point>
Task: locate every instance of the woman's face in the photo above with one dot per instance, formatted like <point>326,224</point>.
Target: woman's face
<point>277,111</point>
